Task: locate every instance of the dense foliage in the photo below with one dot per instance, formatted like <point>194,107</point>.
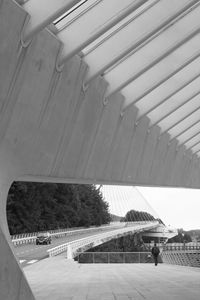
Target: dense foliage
<point>44,206</point>
<point>115,218</point>
<point>135,215</point>
<point>182,237</point>
<point>195,234</point>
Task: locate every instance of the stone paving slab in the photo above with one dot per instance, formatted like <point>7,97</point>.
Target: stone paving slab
<point>59,279</point>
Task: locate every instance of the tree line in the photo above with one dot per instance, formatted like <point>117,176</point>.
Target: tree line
<point>135,216</point>
<point>33,207</point>
<point>182,237</point>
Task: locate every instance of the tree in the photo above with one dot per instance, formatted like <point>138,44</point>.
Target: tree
<point>45,206</point>
<point>134,216</point>
<point>182,237</point>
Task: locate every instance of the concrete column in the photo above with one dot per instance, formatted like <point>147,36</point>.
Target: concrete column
<point>13,284</point>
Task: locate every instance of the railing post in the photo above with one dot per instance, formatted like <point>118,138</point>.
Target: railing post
<point>69,252</point>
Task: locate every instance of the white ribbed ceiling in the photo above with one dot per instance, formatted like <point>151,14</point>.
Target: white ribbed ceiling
<point>149,51</point>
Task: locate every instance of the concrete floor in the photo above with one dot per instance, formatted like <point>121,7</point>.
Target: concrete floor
<point>59,279</point>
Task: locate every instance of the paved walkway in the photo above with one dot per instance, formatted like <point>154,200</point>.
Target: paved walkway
<point>57,279</point>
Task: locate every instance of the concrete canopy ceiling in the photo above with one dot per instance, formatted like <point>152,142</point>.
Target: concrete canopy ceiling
<point>146,50</point>
<point>102,91</point>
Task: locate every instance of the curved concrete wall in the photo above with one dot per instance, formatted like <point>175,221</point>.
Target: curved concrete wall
<point>52,129</point>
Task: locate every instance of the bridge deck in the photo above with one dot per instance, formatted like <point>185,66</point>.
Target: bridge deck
<point>56,278</point>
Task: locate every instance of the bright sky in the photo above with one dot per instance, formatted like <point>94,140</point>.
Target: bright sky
<point>179,208</point>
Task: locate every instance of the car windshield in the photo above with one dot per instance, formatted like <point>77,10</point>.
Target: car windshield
<point>42,235</point>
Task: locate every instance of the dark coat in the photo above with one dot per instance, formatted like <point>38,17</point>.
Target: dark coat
<point>155,251</point>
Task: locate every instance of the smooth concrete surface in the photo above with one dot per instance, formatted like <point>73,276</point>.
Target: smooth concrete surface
<point>13,284</point>
<point>59,279</point>
<point>56,129</point>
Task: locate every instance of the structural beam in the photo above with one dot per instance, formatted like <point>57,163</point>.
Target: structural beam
<point>188,148</point>
<point>43,13</point>
<point>88,38</point>
<point>143,41</point>
<point>176,108</point>
<point>190,138</point>
<point>196,152</point>
<point>186,129</point>
<point>163,80</point>
<point>179,121</point>
<point>152,64</point>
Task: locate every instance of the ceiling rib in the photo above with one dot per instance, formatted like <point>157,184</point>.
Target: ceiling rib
<point>189,148</point>
<point>141,48</point>
<point>190,138</point>
<point>65,56</point>
<point>173,22</point>
<point>146,39</point>
<point>153,63</point>
<point>186,129</point>
<point>163,80</point>
<point>75,18</point>
<point>179,121</point>
<point>196,152</point>
<point>167,98</point>
<point>135,16</point>
<point>42,13</point>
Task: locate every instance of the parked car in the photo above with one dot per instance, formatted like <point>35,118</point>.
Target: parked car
<point>43,239</point>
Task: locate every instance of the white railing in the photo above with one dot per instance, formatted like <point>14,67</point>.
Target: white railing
<point>28,238</point>
<point>181,246</point>
<point>63,230</point>
<point>89,242</point>
<point>69,231</point>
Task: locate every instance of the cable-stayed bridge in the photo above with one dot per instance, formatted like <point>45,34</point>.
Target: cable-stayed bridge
<point>73,241</point>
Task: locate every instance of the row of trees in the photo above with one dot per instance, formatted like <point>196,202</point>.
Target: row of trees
<point>135,215</point>
<point>182,237</point>
<point>44,206</point>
